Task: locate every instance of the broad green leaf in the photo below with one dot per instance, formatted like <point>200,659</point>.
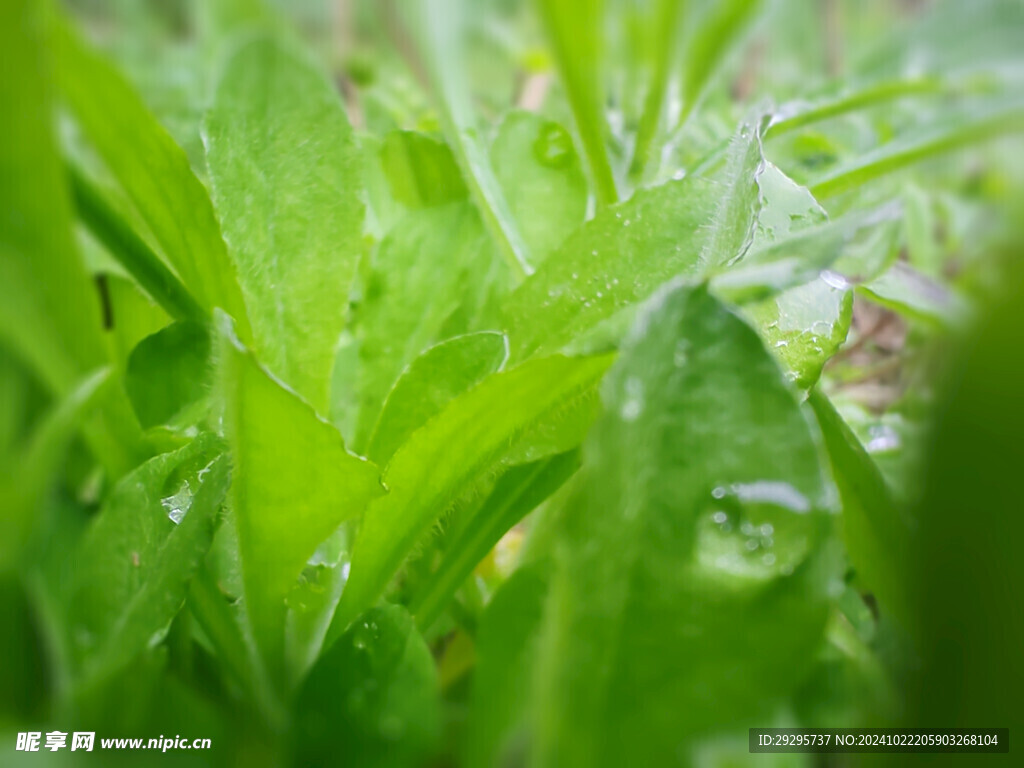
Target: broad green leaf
<point>421,171</point>
<point>711,42</point>
<point>575,30</point>
<point>448,455</point>
<point>49,313</point>
<point>806,325</point>
<point>294,483</point>
<point>517,492</point>
<point>430,382</point>
<point>428,280</point>
<point>874,529</point>
<point>373,697</point>
<point>168,371</point>
<point>286,179</point>
<point>688,590</point>
<point>616,259</point>
<point>984,123</point>
<point>130,251</point>
<point>132,568</point>
<point>539,171</point>
<point>506,643</point>
<point>439,26</point>
<point>164,190</point>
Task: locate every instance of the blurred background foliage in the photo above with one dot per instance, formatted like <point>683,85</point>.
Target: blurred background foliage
<point>912,348</point>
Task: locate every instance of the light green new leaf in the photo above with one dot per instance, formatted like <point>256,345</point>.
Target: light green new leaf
<point>614,260</point>
<point>806,325</point>
<point>286,180</point>
<point>132,569</point>
<point>576,32</point>
<point>374,697</point>
<point>688,593</point>
<point>539,171</point>
<point>429,279</point>
<point>164,190</point>
<point>517,492</point>
<point>450,453</point>
<point>430,382</point>
<point>294,483</point>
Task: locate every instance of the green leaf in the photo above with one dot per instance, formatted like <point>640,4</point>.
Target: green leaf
<point>286,180</point>
<point>983,124</point>
<point>806,325</point>
<point>448,455</point>
<point>133,566</point>
<point>793,117</point>
<point>131,251</point>
<point>614,260</point>
<point>164,190</point>
<point>874,530</point>
<point>428,280</point>
<point>431,381</point>
<point>665,37</point>
<point>439,26</point>
<point>913,294</point>
<point>29,467</point>
<point>712,41</point>
<point>575,30</point>
<point>373,697</point>
<point>688,593</point>
<point>294,483</point>
<point>506,645</point>
<point>518,492</point>
<point>421,170</point>
<point>733,228</point>
<point>168,371</point>
<point>540,174</point>
<point>53,325</point>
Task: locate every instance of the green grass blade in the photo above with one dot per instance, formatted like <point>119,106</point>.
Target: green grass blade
<point>438,25</point>
<point>517,492</point>
<point>50,314</point>
<point>666,34</point>
<point>874,530</point>
<point>286,178</point>
<point>431,381</point>
<point>710,44</point>
<point>874,95</point>
<point>131,251</point>
<point>171,200</point>
<point>575,29</point>
<point>905,152</point>
<point>450,453</point>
